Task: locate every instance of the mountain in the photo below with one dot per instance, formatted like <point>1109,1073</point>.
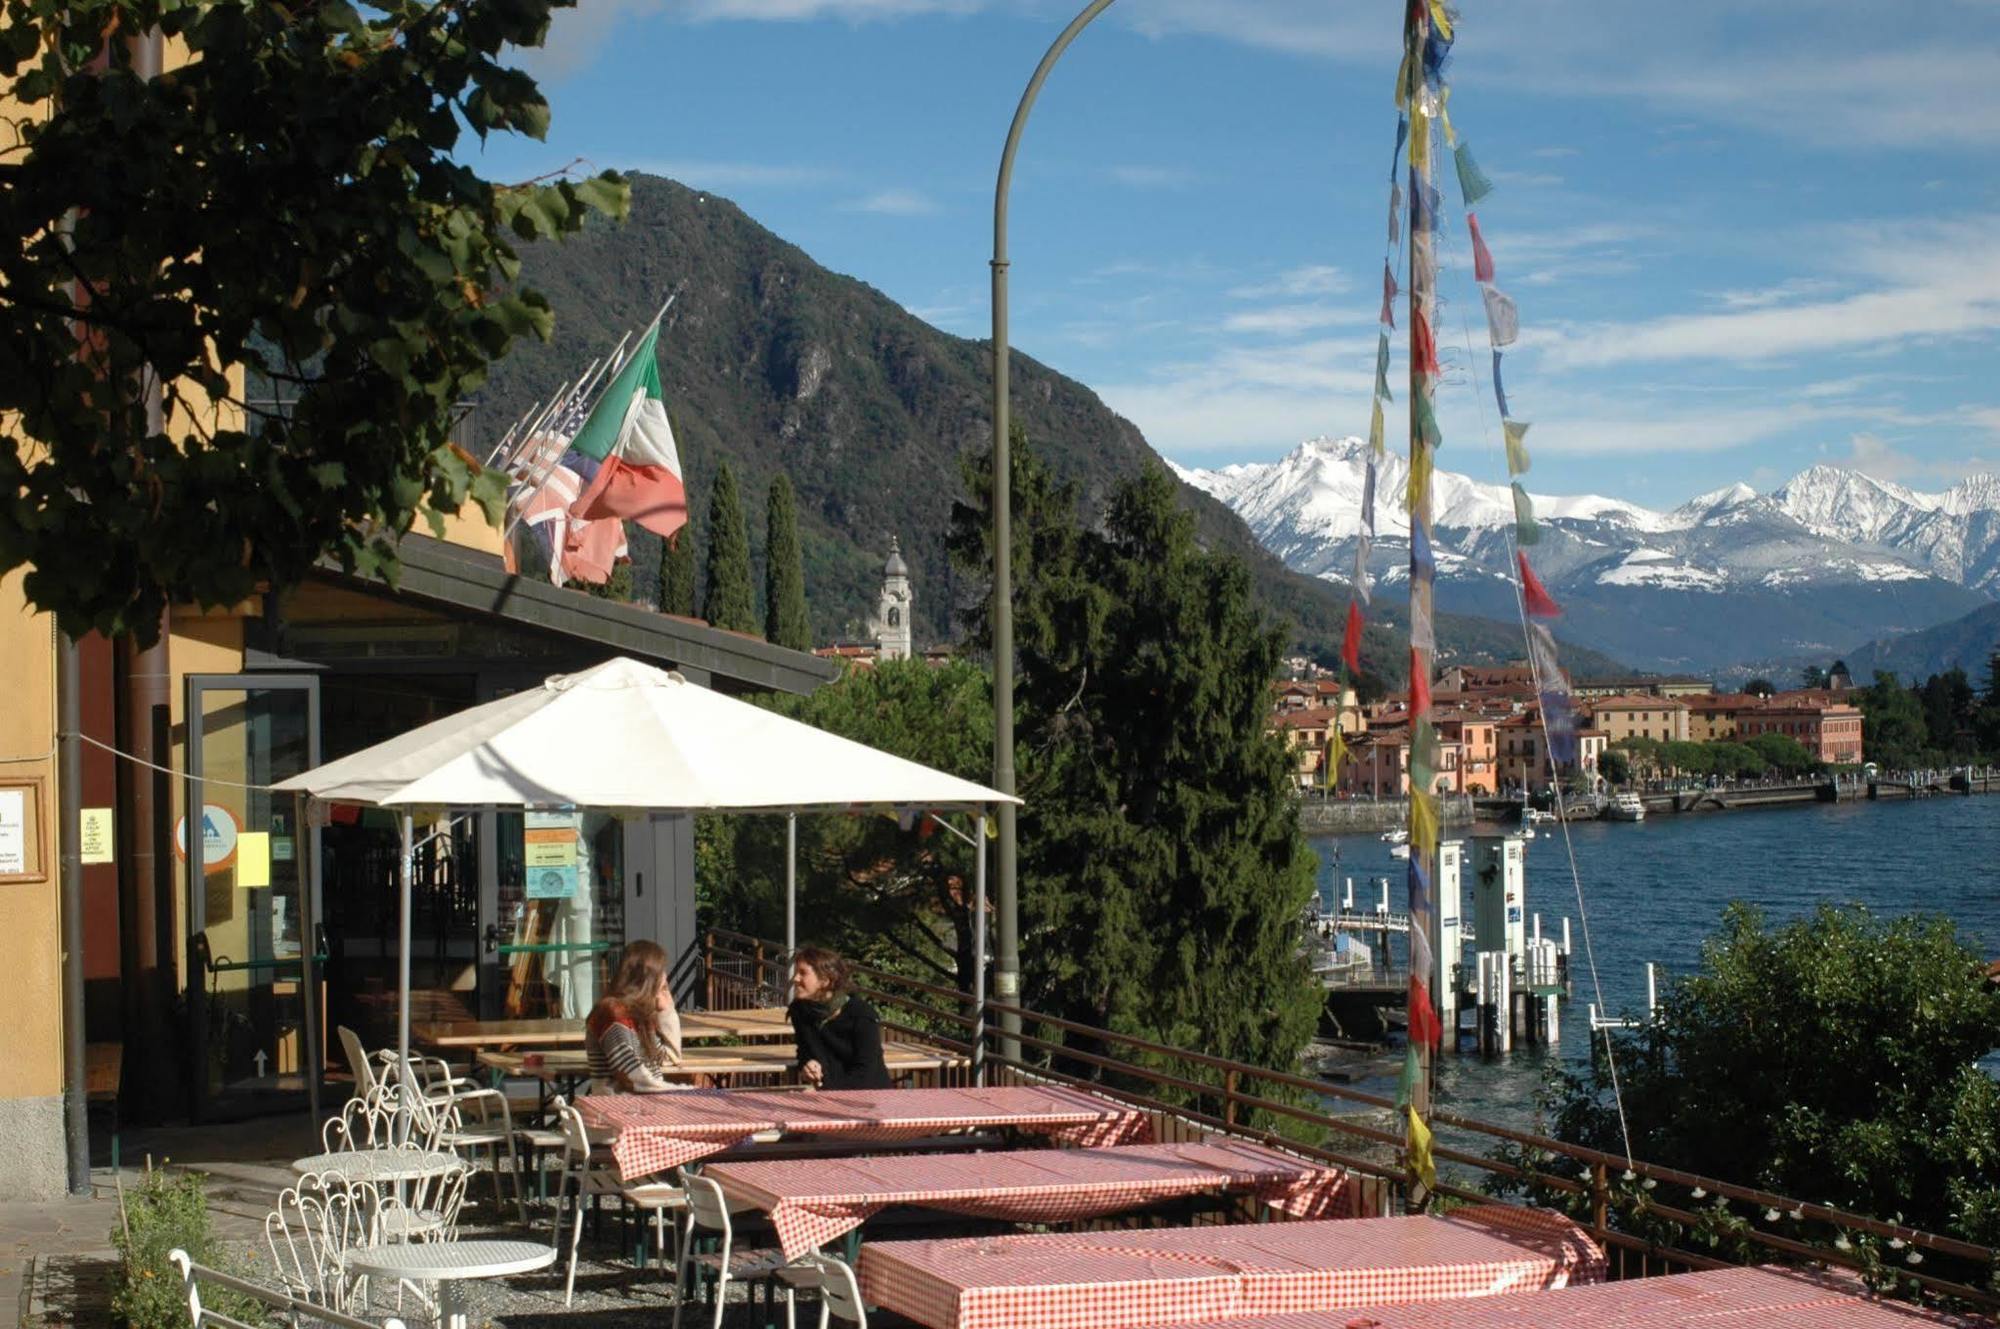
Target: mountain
<point>1727,578</point>
<point>772,362</point>
<point>1964,643</point>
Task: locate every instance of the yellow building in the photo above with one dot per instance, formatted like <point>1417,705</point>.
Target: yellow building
<point>1660,718</point>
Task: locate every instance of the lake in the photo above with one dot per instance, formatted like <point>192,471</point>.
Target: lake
<point>1653,890</point>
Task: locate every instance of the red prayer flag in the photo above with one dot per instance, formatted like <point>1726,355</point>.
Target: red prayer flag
<point>1350,646</point>
<point>1423,346</point>
<point>1420,683</point>
<point>1533,594</point>
<point>1425,1027</point>
<point>1482,257</point>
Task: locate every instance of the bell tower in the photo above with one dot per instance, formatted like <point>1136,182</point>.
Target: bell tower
<point>892,613</point>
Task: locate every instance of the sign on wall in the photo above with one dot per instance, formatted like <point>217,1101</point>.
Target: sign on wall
<point>219,832</point>
<point>549,854</point>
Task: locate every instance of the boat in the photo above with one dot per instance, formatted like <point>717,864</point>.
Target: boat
<point>1529,816</point>
<point>1398,836</point>
<point>1626,807</point>
<point>1400,849</point>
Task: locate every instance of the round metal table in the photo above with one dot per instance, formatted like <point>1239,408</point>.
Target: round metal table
<point>447,1263</point>
<point>380,1165</point>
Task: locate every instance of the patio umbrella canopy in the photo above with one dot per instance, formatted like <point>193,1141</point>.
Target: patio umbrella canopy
<point>624,735</point>
<point>627,735</point>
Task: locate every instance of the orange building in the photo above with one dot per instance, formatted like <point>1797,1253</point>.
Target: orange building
<point>1830,731</point>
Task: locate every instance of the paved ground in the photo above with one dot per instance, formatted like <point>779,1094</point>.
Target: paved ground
<point>57,1262</point>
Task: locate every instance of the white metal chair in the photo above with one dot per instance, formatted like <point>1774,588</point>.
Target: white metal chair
<point>839,1292</point>
<point>296,1310</point>
<point>708,1210</point>
<point>315,1222</point>
<point>594,1175</point>
<point>472,1119</point>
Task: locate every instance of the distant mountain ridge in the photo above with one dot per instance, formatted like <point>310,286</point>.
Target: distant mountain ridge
<point>1730,577</point>
<point>775,363</point>
<point>1964,643</point>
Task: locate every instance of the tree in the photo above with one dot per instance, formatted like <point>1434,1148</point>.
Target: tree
<point>1947,700</point>
<point>1782,753</point>
<point>284,216</point>
<point>1615,766</point>
<point>677,576</point>
<point>1159,839</point>
<point>785,620</point>
<point>1686,757</point>
<point>727,600</point>
<point>1760,687</point>
<point>1834,1058</point>
<point>1892,723</point>
<point>1812,676</point>
<point>1737,760</point>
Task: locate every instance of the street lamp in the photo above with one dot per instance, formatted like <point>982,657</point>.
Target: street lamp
<point>1007,963</point>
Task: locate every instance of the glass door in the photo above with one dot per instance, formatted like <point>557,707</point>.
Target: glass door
<point>559,912</point>
<point>254,995</point>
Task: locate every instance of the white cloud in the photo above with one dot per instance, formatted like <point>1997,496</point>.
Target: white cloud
<point>1312,279</point>
<point>1291,320</point>
<point>894,203</point>
<point>1151,177</point>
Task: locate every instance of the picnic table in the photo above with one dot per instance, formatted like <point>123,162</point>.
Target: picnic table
<point>1109,1280</point>
<point>1712,1299</point>
<point>758,1022</point>
<point>654,1132</point>
<point>812,1202</point>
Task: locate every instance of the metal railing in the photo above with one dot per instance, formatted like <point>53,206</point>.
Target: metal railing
<point>1647,1217</point>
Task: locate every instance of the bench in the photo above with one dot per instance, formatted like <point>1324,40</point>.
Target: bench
<point>194,1277</point>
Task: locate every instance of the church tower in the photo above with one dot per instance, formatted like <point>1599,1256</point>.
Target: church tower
<point>892,614</point>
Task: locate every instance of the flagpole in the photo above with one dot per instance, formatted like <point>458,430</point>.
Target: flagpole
<point>493,453</point>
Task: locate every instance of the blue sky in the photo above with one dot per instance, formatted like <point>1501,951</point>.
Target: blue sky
<point>1743,238</point>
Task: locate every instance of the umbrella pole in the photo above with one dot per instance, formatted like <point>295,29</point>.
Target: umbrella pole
<point>791,889</point>
<point>408,872</point>
<point>979,952</point>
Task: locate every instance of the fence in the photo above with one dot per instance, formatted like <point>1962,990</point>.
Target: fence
<point>1642,1214</point>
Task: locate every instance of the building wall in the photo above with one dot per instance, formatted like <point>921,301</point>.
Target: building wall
<point>32,1158</point>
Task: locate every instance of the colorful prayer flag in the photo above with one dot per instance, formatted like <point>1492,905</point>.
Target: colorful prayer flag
<point>1420,682</point>
<point>1422,1165</point>
<point>1499,388</point>
<point>1503,319</point>
<point>1424,422</point>
<point>1517,447</point>
<point>1350,644</point>
<point>1420,478</point>
<point>1395,212</point>
<point>1382,368</point>
<point>1472,182</point>
<point>1376,446</point>
<point>1526,532</point>
<point>1422,562</point>
<point>1423,822</point>
<point>1482,257</point>
<point>1402,132</point>
<point>1423,343</point>
<point>1534,595</point>
<point>1389,293</point>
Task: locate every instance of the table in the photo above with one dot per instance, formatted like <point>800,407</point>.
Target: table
<point>1712,1299</point>
<point>381,1164</point>
<point>570,1064</point>
<point>1109,1280</point>
<point>812,1202</point>
<point>447,1263</point>
<point>696,1026</point>
<point>653,1132</point>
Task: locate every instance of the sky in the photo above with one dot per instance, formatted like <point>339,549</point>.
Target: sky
<point>1744,238</point>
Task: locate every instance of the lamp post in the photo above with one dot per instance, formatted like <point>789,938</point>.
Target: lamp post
<point>1007,962</point>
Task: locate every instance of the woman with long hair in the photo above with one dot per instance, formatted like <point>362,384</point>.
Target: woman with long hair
<point>839,1035</point>
<point>634,1032</point>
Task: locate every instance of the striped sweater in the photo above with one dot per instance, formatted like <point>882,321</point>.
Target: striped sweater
<point>620,1060</point>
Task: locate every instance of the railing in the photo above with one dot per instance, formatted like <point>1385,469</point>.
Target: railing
<point>1644,1215</point>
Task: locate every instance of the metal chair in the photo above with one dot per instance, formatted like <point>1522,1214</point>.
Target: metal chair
<point>596,1175</point>
<point>315,1222</point>
<point>839,1292</point>
<point>708,1210</point>
<point>444,1122</point>
<point>193,1276</point>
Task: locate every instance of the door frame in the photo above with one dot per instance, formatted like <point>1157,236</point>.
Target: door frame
<point>307,850</point>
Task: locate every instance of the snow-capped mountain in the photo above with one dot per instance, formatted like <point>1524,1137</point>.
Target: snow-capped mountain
<point>1829,559</point>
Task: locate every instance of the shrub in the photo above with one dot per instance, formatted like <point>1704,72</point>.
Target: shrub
<point>170,1212</point>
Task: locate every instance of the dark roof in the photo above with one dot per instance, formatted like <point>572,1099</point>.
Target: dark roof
<point>466,579</point>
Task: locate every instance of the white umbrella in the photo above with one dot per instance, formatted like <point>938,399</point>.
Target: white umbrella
<point>627,735</point>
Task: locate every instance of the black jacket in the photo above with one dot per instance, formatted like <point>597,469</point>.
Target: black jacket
<point>848,1047</point>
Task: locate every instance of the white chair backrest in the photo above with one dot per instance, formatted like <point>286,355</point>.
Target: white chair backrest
<point>576,1137</point>
<point>706,1205</point>
<point>365,1080</point>
<point>298,1310</point>
<point>839,1294</point>
<point>314,1224</point>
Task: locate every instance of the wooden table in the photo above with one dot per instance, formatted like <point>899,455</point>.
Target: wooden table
<point>1712,1299</point>
<point>1111,1280</point>
<point>696,1027</point>
<point>811,1202</point>
<point>654,1132</point>
<point>713,1062</point>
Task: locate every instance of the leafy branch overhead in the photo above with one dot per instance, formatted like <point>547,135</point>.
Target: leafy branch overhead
<point>249,293</point>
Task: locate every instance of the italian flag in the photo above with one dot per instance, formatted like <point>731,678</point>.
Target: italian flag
<point>640,475</point>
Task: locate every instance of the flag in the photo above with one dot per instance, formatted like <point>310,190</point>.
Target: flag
<point>1533,594</point>
<point>1499,388</point>
<point>1472,182</point>
<point>1482,257</point>
<point>1517,446</point>
<point>1420,684</point>
<point>1503,318</point>
<point>1382,392</point>
<point>1389,294</point>
<point>1526,532</point>
<point>1422,1165</point>
<point>1422,561</point>
<point>575,550</point>
<point>1426,1029</point>
<point>629,433</point>
<point>1423,343</point>
<point>1376,446</point>
<point>1350,644</point>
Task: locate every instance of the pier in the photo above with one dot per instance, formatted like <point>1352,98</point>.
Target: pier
<point>1733,797</point>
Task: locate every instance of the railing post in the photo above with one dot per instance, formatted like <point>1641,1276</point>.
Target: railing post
<point>757,988</point>
<point>1229,1097</point>
<point>708,968</point>
<point>1600,1200</point>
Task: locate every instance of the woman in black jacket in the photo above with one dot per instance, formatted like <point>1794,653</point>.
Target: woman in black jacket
<point>839,1035</point>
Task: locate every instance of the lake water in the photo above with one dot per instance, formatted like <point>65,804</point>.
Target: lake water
<point>1653,890</point>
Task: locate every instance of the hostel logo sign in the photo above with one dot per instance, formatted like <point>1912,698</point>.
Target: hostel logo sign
<point>219,833</point>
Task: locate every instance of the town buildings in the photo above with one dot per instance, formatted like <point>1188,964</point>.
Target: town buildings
<point>1830,731</point>
<point>1620,717</point>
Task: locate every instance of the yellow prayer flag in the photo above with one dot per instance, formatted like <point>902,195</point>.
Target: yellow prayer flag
<point>1423,824</point>
<point>1420,478</point>
<point>1336,755</point>
<point>1517,448</point>
<point>1444,117</point>
<point>1441,19</point>
<point>1420,144</point>
<point>1422,1166</point>
<point>1375,444</point>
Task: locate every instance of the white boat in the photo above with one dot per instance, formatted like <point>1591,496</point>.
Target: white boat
<point>1529,816</point>
<point>1401,835</point>
<point>1400,850</point>
<point>1626,807</point>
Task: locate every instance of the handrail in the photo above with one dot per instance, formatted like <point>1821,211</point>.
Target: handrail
<point>1626,1196</point>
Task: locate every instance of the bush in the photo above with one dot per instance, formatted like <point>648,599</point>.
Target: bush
<point>170,1212</point>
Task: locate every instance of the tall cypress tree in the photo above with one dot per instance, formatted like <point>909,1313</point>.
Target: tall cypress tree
<point>728,599</point>
<point>785,621</point>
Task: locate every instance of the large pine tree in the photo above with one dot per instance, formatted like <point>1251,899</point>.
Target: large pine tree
<point>1162,871</point>
<point>728,599</point>
<point>677,573</point>
<point>785,619</point>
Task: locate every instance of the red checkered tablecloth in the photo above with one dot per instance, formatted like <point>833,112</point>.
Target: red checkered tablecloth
<point>1109,1280</point>
<point>813,1201</point>
<point>653,1132</point>
<point>1713,1299</point>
